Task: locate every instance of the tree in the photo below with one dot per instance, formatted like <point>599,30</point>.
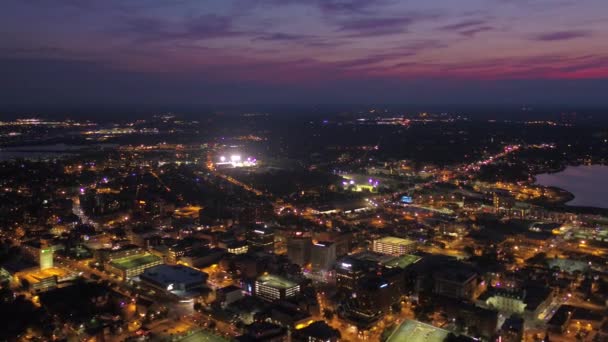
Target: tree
<point>422,312</point>
<point>460,324</point>
<point>386,333</point>
<point>328,314</point>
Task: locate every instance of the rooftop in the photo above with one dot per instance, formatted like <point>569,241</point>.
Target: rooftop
<point>38,275</point>
<point>203,336</point>
<point>276,281</point>
<point>191,211</point>
<point>402,261</point>
<point>414,331</point>
<point>395,241</point>
<point>372,257</point>
<point>456,274</point>
<point>319,330</point>
<point>134,261</point>
<point>168,274</point>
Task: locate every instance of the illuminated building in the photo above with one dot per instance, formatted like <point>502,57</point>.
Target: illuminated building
<point>323,255</point>
<point>317,331</point>
<point>41,280</point>
<point>132,266</point>
<point>507,300</point>
<point>528,302</point>
<point>411,330</point>
<point>374,295</point>
<point>175,252</point>
<point>502,201</point>
<point>273,287</point>
<point>394,246</point>
<point>350,270</point>
<point>104,255</point>
<point>261,239</point>
<point>46,258</point>
<point>401,262</point>
<point>239,247</point>
<point>203,257</point>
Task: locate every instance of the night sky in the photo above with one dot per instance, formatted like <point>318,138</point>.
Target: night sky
<point>189,52</point>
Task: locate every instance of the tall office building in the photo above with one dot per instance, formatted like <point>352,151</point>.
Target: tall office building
<point>299,249</point>
<point>261,239</point>
<point>350,270</point>
<point>323,255</point>
<point>46,258</point>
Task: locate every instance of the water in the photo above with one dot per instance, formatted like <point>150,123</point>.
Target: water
<point>34,156</point>
<point>47,152</point>
<point>588,184</point>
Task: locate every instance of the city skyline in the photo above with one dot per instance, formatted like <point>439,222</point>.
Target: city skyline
<point>304,171</point>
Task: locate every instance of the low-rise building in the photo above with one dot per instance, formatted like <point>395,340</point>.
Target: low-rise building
<point>323,255</point>
<point>179,280</point>
<point>229,294</point>
<point>273,287</point>
<point>394,246</point>
<point>132,266</point>
<point>317,331</point>
<point>41,280</point>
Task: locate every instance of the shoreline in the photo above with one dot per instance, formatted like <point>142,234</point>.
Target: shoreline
<point>568,195</point>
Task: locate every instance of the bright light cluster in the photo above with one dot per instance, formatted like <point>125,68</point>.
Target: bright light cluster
<point>237,161</point>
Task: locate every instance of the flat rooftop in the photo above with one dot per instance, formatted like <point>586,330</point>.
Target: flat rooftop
<point>169,274</point>
<point>191,211</point>
<point>276,281</point>
<point>134,261</point>
<point>38,275</point>
<point>372,257</point>
<point>402,261</point>
<point>414,331</point>
<point>396,241</point>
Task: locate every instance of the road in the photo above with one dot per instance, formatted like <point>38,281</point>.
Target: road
<point>77,210</point>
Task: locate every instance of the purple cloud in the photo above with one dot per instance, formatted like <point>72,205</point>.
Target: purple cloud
<point>282,37</point>
<point>395,55</point>
<point>468,24</point>
<point>330,7</point>
<point>562,35</point>
<point>198,28</point>
<point>375,26</point>
<point>468,28</point>
<point>209,26</point>
<point>300,39</point>
<point>472,32</point>
<point>348,6</point>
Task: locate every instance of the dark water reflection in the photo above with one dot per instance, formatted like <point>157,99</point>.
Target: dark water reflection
<point>588,184</point>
